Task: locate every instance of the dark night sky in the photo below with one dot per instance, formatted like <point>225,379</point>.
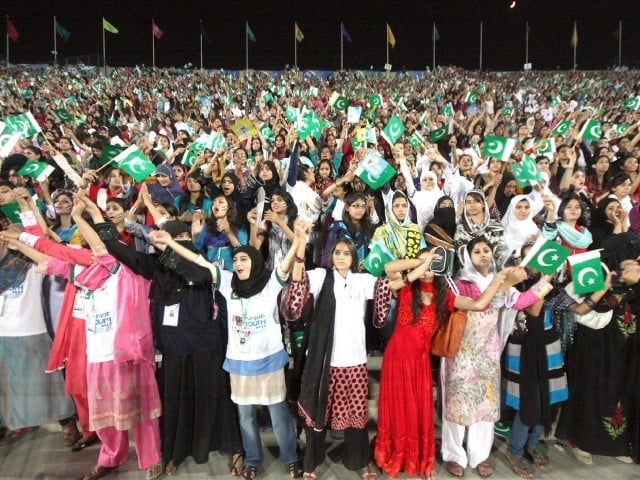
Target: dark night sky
<point>550,22</point>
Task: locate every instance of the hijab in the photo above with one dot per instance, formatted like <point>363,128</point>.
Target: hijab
<point>402,239</point>
<point>258,277</point>
<point>517,232</point>
<point>167,194</point>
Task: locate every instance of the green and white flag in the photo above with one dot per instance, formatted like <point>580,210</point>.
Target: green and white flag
<point>374,170</point>
<point>498,147</point>
<point>377,258</point>
<point>267,133</point>
<point>135,163</point>
<point>526,172</point>
<point>586,272</point>
<point>292,113</point>
<point>109,152</point>
<point>62,115</point>
<point>545,146</point>
<point>447,110</point>
<point>471,97</point>
<point>555,101</point>
<point>37,170</point>
<point>438,134</point>
<point>591,130</point>
<point>546,256</point>
<point>189,157</point>
<point>370,115</point>
<point>7,142</point>
<point>215,142</point>
<point>267,97</point>
<point>416,140</point>
<point>621,128</point>
<point>338,101</point>
<point>632,103</point>
<point>393,130</point>
<point>24,125</point>
<point>507,111</point>
<point>562,127</point>
<point>200,143</point>
<point>375,100</point>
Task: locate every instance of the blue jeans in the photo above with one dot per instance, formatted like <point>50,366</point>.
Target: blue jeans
<point>523,436</point>
<point>283,429</point>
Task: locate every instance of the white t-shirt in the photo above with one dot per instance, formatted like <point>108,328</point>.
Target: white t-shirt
<point>21,312</point>
<point>351,293</point>
<point>101,316</point>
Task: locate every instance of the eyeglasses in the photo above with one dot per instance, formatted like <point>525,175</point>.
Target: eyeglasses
<point>358,205</point>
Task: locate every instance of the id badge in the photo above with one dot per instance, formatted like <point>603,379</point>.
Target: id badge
<point>242,340</point>
<point>171,313</point>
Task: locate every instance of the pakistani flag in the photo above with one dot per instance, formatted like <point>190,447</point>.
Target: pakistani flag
<point>562,127</point>
<point>438,134</point>
<point>555,101</point>
<point>215,142</point>
<point>338,101</point>
<point>24,125</point>
<point>632,103</point>
<point>292,113</point>
<point>416,140</point>
<point>591,130</point>
<point>370,115</point>
<point>135,163</point>
<point>545,146</point>
<point>586,272</point>
<point>621,129</point>
<point>37,170</point>
<point>62,115</point>
<point>498,147</point>
<point>375,101</point>
<point>7,141</point>
<point>471,97</point>
<point>109,152</point>
<point>267,97</point>
<point>374,170</point>
<point>447,110</point>
<point>546,256</point>
<point>189,157</point>
<point>507,111</point>
<point>267,133</point>
<point>526,172</point>
<point>393,130</point>
<point>378,257</point>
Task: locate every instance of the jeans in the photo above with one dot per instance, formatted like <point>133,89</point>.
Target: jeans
<point>283,429</point>
<point>523,436</point>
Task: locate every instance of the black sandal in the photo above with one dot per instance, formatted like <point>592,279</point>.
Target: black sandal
<point>249,472</point>
<point>237,463</point>
<point>295,469</point>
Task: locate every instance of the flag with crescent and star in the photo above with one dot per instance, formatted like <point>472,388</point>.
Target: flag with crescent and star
<point>376,259</point>
<point>562,127</point>
<point>24,125</point>
<point>587,274</point>
<point>591,130</point>
<point>393,130</point>
<point>135,163</point>
<point>374,170</point>
<point>38,170</point>
<point>526,172</point>
<point>498,147</point>
<point>546,256</point>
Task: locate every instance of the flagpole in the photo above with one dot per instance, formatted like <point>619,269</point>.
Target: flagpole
<point>200,44</point>
<point>433,36</point>
<point>104,50</point>
<point>480,45</point>
<point>386,38</point>
<point>7,41</point>
<point>246,45</point>
<point>620,43</point>
<point>295,46</point>
<point>526,42</point>
<point>55,43</point>
<point>575,44</point>
<point>341,47</point>
<point>153,45</point>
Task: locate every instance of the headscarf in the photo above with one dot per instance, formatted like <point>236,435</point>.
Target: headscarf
<point>600,226</point>
<point>502,201</point>
<point>400,239</point>
<point>425,200</point>
<point>469,273</point>
<point>617,248</point>
<point>444,217</point>
<point>517,232</point>
<point>258,277</point>
<point>166,194</point>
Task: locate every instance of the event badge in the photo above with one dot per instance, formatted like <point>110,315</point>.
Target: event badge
<point>171,313</point>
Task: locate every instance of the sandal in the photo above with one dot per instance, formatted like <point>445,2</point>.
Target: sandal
<point>538,457</point>
<point>519,466</point>
<point>249,472</point>
<point>83,443</point>
<point>170,469</point>
<point>70,433</point>
<point>98,471</point>
<point>15,435</point>
<point>237,463</point>
<point>369,473</point>
<point>155,471</point>
<point>310,476</point>
<point>454,469</point>
<point>295,469</point>
<point>485,469</point>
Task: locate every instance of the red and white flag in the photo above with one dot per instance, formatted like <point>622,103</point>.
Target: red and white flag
<point>156,30</point>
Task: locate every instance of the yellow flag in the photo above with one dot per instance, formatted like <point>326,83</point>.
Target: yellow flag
<point>391,38</point>
<point>574,37</point>
<point>298,33</point>
<point>108,27</point>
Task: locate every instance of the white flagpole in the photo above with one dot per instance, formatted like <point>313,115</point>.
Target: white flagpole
<point>386,38</point>
<point>433,37</point>
<point>295,46</point>
<point>104,50</point>
<point>526,42</point>
<point>200,44</point>
<point>153,44</point>
<point>55,42</point>
<point>480,44</point>
<point>341,47</point>
<point>246,45</point>
<point>7,42</point>
<point>620,43</point>
<point>575,46</point>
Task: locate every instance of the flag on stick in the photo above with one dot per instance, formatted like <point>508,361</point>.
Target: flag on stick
<point>156,30</point>
<point>586,272</point>
<point>12,32</point>
<point>393,130</point>
<point>62,32</point>
<point>574,35</point>
<point>250,34</point>
<point>344,33</point>
<point>37,170</point>
<point>108,27</point>
<point>298,33</point>
<point>632,103</point>
<point>135,163</point>
<point>546,256</point>
<point>374,170</point>
<point>436,35</point>
<point>203,32</point>
<point>561,128</point>
<point>391,38</point>
<point>498,147</point>
<point>526,172</point>
<point>591,130</point>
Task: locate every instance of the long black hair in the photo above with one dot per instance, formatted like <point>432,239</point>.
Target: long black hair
<point>439,297</point>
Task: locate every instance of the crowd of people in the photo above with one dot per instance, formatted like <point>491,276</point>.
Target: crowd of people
<point>249,277</point>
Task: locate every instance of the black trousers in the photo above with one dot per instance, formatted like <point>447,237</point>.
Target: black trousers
<point>357,452</point>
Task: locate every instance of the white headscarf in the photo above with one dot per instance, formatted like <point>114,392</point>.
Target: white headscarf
<point>425,200</point>
<point>517,232</point>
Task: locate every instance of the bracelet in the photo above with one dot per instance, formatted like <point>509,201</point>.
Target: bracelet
<point>589,302</point>
<point>298,259</point>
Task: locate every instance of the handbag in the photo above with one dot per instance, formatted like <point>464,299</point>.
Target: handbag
<point>447,338</point>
